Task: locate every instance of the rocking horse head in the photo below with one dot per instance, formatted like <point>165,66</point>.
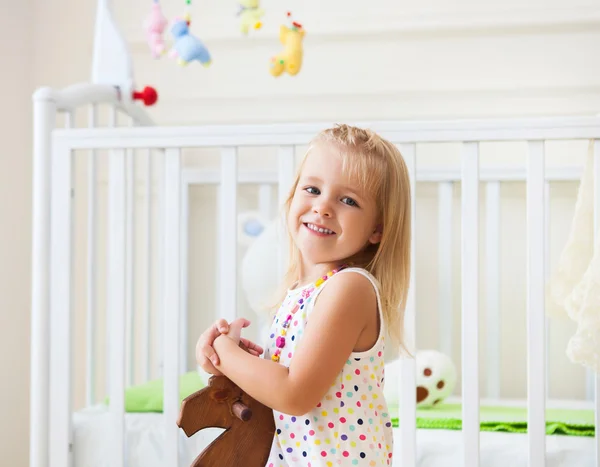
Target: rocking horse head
<point>249,425</point>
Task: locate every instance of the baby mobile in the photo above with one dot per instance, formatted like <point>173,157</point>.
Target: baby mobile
<point>187,47</point>
<point>289,60</point>
<point>250,15</point>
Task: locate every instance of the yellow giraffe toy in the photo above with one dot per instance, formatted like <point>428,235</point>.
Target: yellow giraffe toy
<point>290,60</point>
<point>250,14</point>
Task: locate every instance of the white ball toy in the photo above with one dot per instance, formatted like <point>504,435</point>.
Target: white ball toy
<point>436,377</point>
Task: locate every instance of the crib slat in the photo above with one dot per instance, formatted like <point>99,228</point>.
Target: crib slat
<point>228,234</point>
<point>286,169</point>
<point>407,393</point>
<point>185,222</point>
<point>492,302</point>
<point>116,301</point>
<point>470,302</point>
<point>596,233</point>
<point>147,321</point>
<point>547,224</point>
<point>160,270</point>
<point>61,276</point>
<point>445,273</point>
<point>44,114</point>
<point>171,247</point>
<point>536,320</point>
<point>130,268</point>
<point>112,122</point>
<point>264,200</point>
<point>91,269</point>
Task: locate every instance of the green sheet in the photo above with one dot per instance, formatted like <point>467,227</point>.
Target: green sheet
<point>505,419</point>
<point>148,397</point>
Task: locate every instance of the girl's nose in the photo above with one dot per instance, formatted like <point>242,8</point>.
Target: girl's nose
<point>323,209</point>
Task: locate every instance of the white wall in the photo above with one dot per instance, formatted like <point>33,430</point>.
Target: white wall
<point>384,61</point>
<point>15,212</point>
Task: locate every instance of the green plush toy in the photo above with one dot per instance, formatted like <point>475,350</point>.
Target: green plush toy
<point>250,14</point>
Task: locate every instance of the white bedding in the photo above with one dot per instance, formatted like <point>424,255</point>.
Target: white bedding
<point>435,448</point>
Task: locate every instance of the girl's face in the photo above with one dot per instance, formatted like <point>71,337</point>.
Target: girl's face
<point>330,219</point>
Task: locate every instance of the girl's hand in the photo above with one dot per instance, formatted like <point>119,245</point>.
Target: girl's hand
<point>207,358</point>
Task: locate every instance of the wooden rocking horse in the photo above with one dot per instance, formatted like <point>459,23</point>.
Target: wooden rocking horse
<point>249,425</point>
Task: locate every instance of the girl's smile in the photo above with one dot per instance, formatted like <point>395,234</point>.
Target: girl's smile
<point>318,230</point>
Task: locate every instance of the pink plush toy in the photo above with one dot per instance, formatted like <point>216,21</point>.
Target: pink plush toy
<point>155,25</point>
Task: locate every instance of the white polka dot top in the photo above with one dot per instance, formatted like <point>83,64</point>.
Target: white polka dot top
<point>351,426</point>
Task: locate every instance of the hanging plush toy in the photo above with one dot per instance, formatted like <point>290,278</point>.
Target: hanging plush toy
<point>290,60</point>
<point>250,14</point>
<point>187,47</point>
<point>155,25</point>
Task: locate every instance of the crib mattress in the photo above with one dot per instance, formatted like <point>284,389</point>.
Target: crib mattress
<point>435,448</point>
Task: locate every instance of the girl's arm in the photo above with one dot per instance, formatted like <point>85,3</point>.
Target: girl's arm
<point>339,316</point>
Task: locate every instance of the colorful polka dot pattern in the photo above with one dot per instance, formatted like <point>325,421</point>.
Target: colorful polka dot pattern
<point>351,426</point>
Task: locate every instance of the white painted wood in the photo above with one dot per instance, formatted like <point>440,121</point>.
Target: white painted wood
<point>445,273</point>
<point>148,270</point>
<point>495,174</point>
<point>183,313</point>
<point>407,382</point>
<point>536,322</point>
<point>492,280</point>
<point>470,303</point>
<point>596,233</point>
<point>117,300</point>
<point>130,235</point>
<point>172,301</point>
<point>70,119</point>
<point>228,235</point>
<point>301,133</point>
<point>264,200</point>
<point>285,179</point>
<point>547,219</point>
<point>44,111</point>
<point>61,276</point>
<point>160,306</point>
<point>112,123</point>
<point>82,94</point>
<point>92,209</point>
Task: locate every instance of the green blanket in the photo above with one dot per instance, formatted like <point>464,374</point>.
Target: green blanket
<point>148,397</point>
<point>507,419</point>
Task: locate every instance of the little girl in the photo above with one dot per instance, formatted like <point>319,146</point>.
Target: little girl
<point>348,220</point>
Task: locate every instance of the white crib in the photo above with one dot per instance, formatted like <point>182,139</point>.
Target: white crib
<point>147,269</point>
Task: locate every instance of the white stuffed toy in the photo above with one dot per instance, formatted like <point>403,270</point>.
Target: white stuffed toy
<point>435,377</point>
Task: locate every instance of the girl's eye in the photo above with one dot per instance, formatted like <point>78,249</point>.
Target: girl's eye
<point>349,201</point>
<point>312,190</point>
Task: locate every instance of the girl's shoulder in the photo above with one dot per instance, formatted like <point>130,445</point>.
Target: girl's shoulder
<point>360,283</point>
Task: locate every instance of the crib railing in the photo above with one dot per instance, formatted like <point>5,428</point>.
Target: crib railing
<point>68,146</point>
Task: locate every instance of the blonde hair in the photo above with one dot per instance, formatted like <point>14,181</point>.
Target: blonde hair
<point>379,169</point>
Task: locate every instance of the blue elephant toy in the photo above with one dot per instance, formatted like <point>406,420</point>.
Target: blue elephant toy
<point>186,47</point>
